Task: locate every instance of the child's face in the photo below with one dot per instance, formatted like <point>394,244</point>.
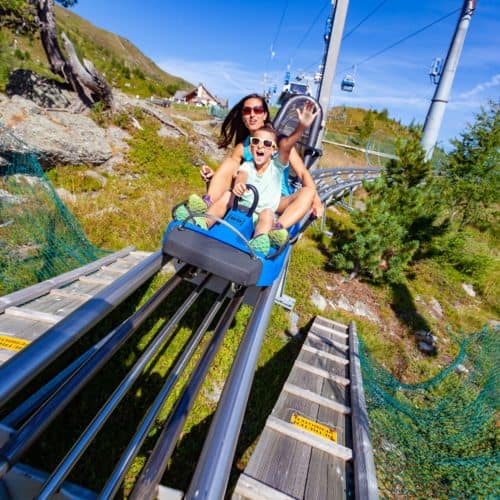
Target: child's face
<point>262,147</point>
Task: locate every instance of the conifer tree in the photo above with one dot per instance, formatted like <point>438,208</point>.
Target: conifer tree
<point>471,176</point>
<point>401,217</point>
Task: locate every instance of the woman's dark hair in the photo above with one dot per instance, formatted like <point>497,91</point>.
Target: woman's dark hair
<point>233,126</point>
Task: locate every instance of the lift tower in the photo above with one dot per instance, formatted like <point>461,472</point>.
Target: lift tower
<point>339,13</point>
<point>441,95</point>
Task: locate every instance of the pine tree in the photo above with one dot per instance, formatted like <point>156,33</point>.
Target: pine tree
<point>400,218</point>
<point>471,176</point>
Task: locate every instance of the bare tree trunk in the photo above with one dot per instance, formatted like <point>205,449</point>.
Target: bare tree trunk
<point>86,81</point>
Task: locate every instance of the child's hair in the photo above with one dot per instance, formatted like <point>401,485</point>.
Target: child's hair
<point>268,127</point>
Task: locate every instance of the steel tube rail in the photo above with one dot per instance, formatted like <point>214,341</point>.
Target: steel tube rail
<point>34,426</point>
<point>64,468</point>
<point>212,472</point>
<point>17,372</point>
<point>133,448</point>
<point>155,466</point>
<point>33,402</point>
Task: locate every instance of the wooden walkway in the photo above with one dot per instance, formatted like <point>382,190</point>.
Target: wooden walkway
<point>315,444</point>
<point>27,314</point>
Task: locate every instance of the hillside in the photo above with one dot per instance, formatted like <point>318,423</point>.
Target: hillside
<point>124,66</point>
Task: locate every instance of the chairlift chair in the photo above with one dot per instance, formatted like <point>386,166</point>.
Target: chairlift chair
<point>347,84</point>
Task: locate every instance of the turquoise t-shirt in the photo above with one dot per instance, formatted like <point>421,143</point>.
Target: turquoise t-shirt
<point>268,184</point>
<point>286,189</point>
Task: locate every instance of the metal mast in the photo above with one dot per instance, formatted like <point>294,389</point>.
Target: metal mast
<point>436,110</point>
<point>339,13</point>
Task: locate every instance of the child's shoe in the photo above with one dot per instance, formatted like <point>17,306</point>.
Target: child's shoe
<point>261,244</point>
<point>201,222</point>
<point>180,213</point>
<point>278,237</point>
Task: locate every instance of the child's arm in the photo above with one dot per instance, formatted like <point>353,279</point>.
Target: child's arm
<point>306,117</point>
<point>240,183</point>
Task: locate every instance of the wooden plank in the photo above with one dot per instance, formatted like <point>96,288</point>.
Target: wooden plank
<point>309,438</point>
<point>328,342</point>
<point>365,479</point>
<point>64,292</point>
<point>321,373</point>
<point>61,306</point>
<point>327,477</point>
<point>326,364</point>
<point>22,327</point>
<point>281,462</point>
<point>327,355</point>
<point>81,287</point>
<point>317,327</point>
<point>331,324</point>
<point>315,398</point>
<point>31,292</point>
<point>249,488</point>
<point>97,281</point>
<point>24,312</point>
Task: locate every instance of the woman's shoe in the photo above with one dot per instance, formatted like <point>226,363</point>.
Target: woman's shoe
<point>278,237</point>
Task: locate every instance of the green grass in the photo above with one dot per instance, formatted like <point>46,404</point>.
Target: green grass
<point>133,207</point>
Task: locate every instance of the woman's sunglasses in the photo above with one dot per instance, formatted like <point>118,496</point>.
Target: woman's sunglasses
<point>258,110</point>
<point>256,141</point>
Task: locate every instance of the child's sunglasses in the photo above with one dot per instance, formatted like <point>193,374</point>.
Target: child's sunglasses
<point>256,141</point>
<point>258,110</point>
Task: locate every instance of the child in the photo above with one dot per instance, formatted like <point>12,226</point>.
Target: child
<point>265,173</point>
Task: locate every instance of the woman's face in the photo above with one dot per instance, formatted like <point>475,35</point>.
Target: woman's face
<point>253,114</point>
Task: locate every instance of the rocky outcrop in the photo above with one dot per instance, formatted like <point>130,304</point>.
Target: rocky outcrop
<point>42,91</point>
<point>59,136</point>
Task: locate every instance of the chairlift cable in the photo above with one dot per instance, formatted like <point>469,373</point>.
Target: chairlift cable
<point>442,18</point>
<point>364,19</point>
<point>302,40</point>
<point>280,24</point>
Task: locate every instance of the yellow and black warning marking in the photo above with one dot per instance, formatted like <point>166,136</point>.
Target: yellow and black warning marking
<point>12,344</point>
<point>314,427</point>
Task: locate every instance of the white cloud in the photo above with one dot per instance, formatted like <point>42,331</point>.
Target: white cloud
<point>224,78</point>
<point>481,87</point>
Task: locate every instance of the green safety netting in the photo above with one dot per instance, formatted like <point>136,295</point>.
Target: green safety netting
<point>39,237</point>
<point>439,438</point>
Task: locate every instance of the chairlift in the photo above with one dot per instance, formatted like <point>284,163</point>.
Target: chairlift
<point>347,84</point>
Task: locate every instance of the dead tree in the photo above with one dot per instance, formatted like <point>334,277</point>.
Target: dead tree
<point>85,80</point>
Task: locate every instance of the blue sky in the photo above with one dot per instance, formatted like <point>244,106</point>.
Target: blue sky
<point>229,46</point>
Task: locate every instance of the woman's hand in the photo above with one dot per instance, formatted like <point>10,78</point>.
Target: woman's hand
<point>307,114</point>
<point>206,173</point>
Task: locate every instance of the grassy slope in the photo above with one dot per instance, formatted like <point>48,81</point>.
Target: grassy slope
<point>123,65</point>
<point>133,208</point>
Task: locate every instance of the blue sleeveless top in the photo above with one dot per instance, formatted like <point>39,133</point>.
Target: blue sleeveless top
<point>286,189</point>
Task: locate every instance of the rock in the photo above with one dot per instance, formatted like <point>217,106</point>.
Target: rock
<point>469,290</point>
<point>435,308</point>
<point>426,336</point>
<point>426,348</point>
<point>59,137</point>
<point>493,323</point>
<point>318,300</point>
<point>42,91</point>
<point>461,369</point>
<point>361,309</point>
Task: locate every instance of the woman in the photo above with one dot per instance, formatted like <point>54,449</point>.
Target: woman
<point>247,116</point>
